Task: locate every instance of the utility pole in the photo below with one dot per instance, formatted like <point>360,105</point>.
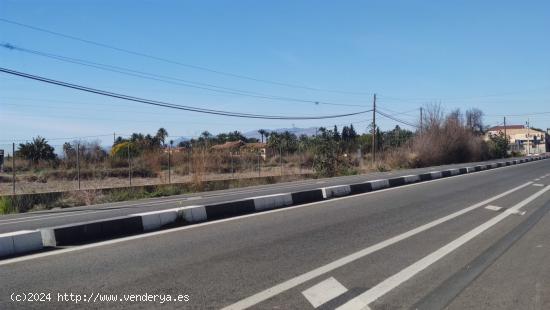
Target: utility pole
<point>505,128</point>
<point>374,129</point>
<point>114,138</point>
<point>528,134</point>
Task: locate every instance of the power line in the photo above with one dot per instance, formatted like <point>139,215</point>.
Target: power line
<point>170,105</point>
<point>166,60</point>
<point>397,119</point>
<point>400,113</point>
<point>167,79</point>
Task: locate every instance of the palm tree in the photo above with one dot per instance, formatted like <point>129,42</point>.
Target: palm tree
<point>262,132</point>
<point>37,150</point>
<point>161,135</point>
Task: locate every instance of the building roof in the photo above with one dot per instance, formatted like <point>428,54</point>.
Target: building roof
<point>228,145</point>
<point>496,128</point>
<point>255,145</point>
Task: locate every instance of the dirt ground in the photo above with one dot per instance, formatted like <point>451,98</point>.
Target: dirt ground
<point>23,186</point>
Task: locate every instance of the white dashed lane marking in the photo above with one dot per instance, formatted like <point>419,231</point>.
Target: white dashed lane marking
<point>493,208</point>
<point>324,291</point>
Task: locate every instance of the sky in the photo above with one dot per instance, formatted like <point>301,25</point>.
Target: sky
<point>491,55</point>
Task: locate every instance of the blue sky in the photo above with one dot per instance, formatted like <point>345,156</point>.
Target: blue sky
<point>492,55</point>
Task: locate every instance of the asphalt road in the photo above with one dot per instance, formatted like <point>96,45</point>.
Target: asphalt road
<point>41,219</point>
<point>429,245</point>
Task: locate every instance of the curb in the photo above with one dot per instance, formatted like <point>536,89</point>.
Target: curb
<point>21,242</point>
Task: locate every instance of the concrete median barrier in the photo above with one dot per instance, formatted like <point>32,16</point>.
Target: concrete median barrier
<point>194,214</point>
<point>359,188</point>
<point>156,219</point>
<point>307,196</point>
<point>379,184</point>
<point>269,202</point>
<point>336,191</point>
<point>20,242</point>
<point>91,231</point>
<point>229,209</point>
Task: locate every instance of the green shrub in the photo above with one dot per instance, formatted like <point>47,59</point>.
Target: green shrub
<point>6,205</point>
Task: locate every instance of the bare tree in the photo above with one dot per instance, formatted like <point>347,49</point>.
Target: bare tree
<point>474,120</point>
<point>433,116</point>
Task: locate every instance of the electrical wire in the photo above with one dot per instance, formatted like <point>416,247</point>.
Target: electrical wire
<point>174,62</point>
<point>397,119</point>
<point>167,79</point>
<point>170,105</point>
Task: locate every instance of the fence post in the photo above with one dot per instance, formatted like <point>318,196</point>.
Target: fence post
<point>78,163</point>
<point>232,171</point>
<point>281,158</point>
<point>259,167</point>
<point>169,166</point>
<point>189,161</point>
<point>129,165</point>
<point>13,166</point>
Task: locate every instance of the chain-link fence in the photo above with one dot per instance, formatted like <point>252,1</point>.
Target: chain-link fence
<point>89,166</point>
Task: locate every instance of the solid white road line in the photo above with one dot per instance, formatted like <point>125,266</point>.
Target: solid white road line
<point>362,301</point>
<point>538,184</point>
<point>493,208</point>
<point>324,291</point>
<point>284,286</point>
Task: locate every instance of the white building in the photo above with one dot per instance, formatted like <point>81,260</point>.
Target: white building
<point>522,139</point>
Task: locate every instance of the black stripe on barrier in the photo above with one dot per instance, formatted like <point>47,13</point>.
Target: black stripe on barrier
<point>307,196</point>
<point>425,176</point>
<point>98,230</point>
<point>359,188</point>
<point>396,181</point>
<point>463,170</point>
<point>446,173</point>
<point>229,209</point>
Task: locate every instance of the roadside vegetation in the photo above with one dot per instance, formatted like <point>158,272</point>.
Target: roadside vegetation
<point>150,161</point>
